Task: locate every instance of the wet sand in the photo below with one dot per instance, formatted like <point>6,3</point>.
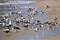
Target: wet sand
<point>30,35</point>
<point>57,37</point>
<point>22,35</point>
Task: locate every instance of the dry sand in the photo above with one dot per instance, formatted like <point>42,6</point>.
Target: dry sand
<point>53,9</point>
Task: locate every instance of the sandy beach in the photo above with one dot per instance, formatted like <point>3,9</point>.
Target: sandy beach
<point>53,10</point>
